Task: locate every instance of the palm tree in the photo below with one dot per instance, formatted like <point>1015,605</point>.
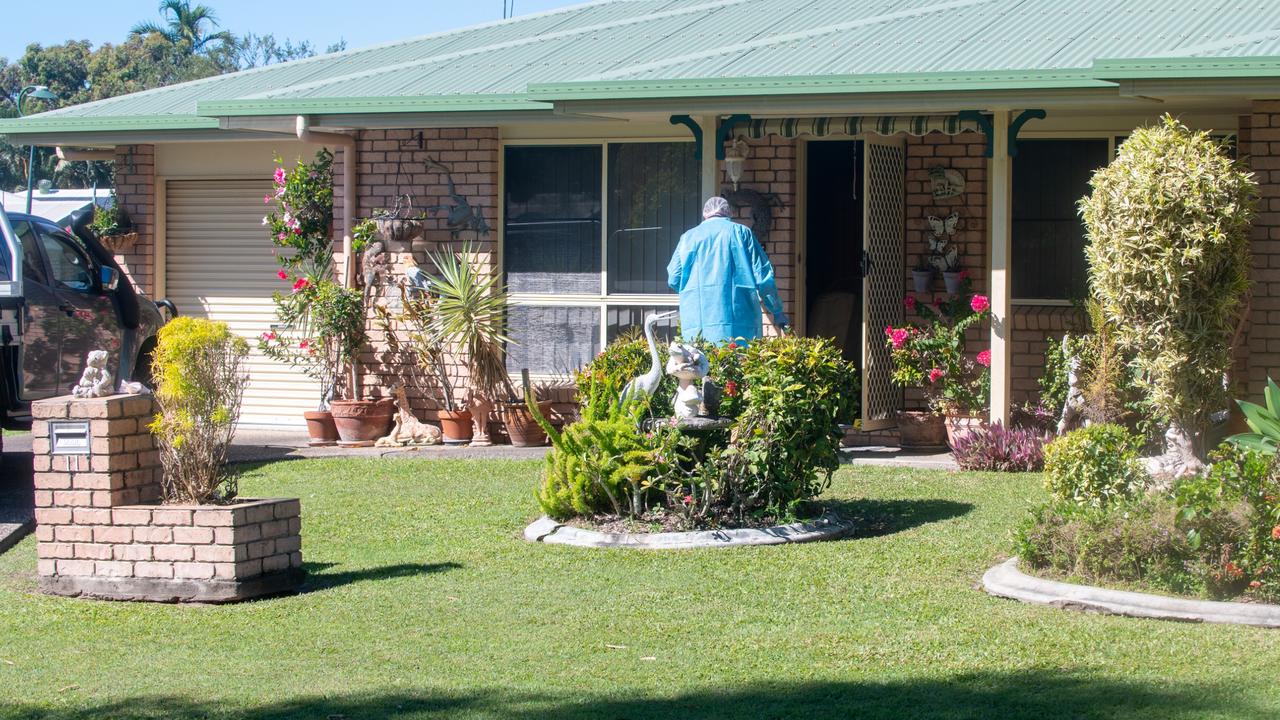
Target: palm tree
<point>184,23</point>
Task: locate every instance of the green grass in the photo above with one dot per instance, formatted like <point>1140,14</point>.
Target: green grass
<point>423,602</point>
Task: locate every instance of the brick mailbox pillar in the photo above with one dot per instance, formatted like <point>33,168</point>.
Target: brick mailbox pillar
<point>102,532</point>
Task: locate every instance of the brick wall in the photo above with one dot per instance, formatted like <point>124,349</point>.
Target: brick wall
<point>1263,149</point>
<point>135,179</point>
<point>99,531</point>
<point>392,164</point>
<point>771,168</point>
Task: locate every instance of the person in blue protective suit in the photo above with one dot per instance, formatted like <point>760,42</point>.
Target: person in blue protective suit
<point>723,276</point>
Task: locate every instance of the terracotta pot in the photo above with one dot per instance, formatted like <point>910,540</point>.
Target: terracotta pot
<point>456,426</point>
<point>918,430</point>
<point>523,430</point>
<point>923,280</point>
<point>320,428</point>
<point>360,422</point>
<point>958,424</point>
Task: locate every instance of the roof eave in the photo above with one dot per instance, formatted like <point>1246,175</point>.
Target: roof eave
<point>362,105</point>
<point>38,125</point>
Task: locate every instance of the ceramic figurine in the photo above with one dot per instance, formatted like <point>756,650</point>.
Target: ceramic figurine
<point>689,366</point>
<point>96,381</point>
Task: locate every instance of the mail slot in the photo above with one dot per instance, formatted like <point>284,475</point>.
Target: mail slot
<point>69,438</point>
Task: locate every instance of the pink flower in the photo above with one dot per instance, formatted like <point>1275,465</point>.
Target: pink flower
<point>910,302</point>
<point>268,336</point>
<point>266,199</point>
<point>304,344</point>
<point>984,358</point>
<point>935,375</point>
<point>280,176</point>
<point>898,338</point>
<point>281,236</point>
<point>282,274</point>
<point>979,303</point>
<point>300,284</point>
<point>688,499</point>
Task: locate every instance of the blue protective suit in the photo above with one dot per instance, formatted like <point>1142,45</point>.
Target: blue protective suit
<point>723,276</point>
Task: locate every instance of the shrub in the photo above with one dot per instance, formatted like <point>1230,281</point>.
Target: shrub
<point>1094,466</point>
<point>303,213</point>
<point>601,381</point>
<point>995,447</point>
<point>1144,540</point>
<point>1169,261</point>
<point>198,369</point>
<point>322,330</point>
<point>787,440</point>
<point>109,221</point>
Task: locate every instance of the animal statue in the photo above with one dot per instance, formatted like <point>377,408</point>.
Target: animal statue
<point>1073,408</point>
<point>374,263</point>
<point>643,386</point>
<point>689,365</point>
<point>761,204</point>
<point>408,429</point>
<point>460,215</point>
<point>95,382</point>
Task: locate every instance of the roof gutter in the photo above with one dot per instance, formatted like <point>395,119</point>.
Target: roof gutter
<point>348,145</point>
<point>87,155</point>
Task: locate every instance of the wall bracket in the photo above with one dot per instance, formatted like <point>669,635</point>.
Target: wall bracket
<point>694,128</point>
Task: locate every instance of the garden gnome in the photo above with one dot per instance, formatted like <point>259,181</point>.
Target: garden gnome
<point>723,276</point>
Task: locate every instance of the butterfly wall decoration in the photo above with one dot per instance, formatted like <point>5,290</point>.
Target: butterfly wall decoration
<point>943,252</point>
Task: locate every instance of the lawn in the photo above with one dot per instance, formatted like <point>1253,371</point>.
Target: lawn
<point>423,602</point>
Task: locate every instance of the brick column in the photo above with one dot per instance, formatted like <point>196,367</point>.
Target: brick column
<point>1263,150</point>
<point>101,531</point>
<point>136,192</point>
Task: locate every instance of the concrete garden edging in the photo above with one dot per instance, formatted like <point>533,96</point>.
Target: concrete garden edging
<point>1007,581</point>
<point>827,527</point>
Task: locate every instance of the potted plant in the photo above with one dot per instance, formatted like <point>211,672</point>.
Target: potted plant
<point>112,227</point>
<point>469,316</point>
<point>930,355</point>
<point>922,276</point>
<point>397,226</point>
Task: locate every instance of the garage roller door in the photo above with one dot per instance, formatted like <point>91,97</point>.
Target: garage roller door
<point>219,265</point>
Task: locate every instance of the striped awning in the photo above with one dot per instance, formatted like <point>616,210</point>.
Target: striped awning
<point>859,124</point>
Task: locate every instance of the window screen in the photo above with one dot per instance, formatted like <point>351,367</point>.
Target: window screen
<point>1049,178</point>
<point>552,220</point>
<point>552,340</point>
<point>653,198</point>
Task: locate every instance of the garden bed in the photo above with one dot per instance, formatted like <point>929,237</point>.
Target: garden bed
<point>828,526</point>
<point>1007,581</point>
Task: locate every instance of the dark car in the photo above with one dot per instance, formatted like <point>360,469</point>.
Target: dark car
<point>72,298</point>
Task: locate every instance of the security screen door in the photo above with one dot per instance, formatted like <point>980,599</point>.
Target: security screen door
<point>884,272</point>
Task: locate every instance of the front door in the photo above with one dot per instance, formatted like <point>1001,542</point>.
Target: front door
<point>884,273</point>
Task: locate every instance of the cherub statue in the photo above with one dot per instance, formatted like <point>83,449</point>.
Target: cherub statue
<point>689,366</point>
<point>96,380</point>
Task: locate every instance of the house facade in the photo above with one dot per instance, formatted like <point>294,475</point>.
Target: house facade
<point>859,141</point>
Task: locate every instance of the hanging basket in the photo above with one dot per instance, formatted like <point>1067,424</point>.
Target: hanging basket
<point>117,244</point>
<point>396,231</point>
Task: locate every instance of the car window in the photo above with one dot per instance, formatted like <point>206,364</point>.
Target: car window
<point>69,265</point>
<point>32,267</point>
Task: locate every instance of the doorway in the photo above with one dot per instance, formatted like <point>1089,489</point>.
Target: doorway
<point>833,244</point>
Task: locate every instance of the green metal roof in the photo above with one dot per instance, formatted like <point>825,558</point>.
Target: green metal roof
<point>675,48</point>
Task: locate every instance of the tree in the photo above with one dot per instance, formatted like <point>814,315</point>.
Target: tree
<point>1169,258</point>
<point>252,50</point>
<point>187,24</point>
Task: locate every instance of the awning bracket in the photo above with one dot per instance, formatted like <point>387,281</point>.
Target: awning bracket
<point>1016,126</point>
<point>694,128</point>
<point>984,122</point>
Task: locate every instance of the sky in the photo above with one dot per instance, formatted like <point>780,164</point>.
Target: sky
<point>360,22</point>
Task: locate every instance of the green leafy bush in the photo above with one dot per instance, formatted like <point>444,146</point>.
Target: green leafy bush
<point>1169,260</point>
<point>1142,541</point>
<point>787,440</point>
<point>301,220</point>
<point>1094,466</point>
<point>322,328</point>
<point>601,381</point>
<point>1264,421</point>
<point>200,379</point>
<point>108,221</point>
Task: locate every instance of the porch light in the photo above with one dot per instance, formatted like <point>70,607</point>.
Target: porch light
<point>735,160</point>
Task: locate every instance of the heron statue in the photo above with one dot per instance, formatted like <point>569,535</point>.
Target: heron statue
<point>643,386</point>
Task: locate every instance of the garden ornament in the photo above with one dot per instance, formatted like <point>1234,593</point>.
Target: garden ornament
<point>643,386</point>
<point>1073,408</point>
<point>460,215</point>
<point>946,182</point>
<point>408,429</point>
<point>95,382</point>
<point>943,254</point>
<point>723,276</point>
<point>689,365</point>
<point>761,204</point>
<point>375,264</point>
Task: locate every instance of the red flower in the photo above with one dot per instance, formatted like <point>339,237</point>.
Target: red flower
<point>733,345</point>
<point>1255,584</point>
<point>979,303</point>
<point>910,302</point>
<point>300,284</point>
<point>282,275</point>
<point>268,336</point>
<point>303,345</point>
<point>984,358</point>
<point>1275,533</point>
<point>898,338</point>
<point>688,500</point>
<point>731,389</point>
<point>935,375</point>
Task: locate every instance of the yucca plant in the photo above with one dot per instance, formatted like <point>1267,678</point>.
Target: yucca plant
<point>470,316</point>
<point>1264,421</point>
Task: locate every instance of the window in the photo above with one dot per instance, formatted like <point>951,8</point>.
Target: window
<point>69,266</point>
<point>32,267</point>
<point>587,234</point>
<point>1049,178</point>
